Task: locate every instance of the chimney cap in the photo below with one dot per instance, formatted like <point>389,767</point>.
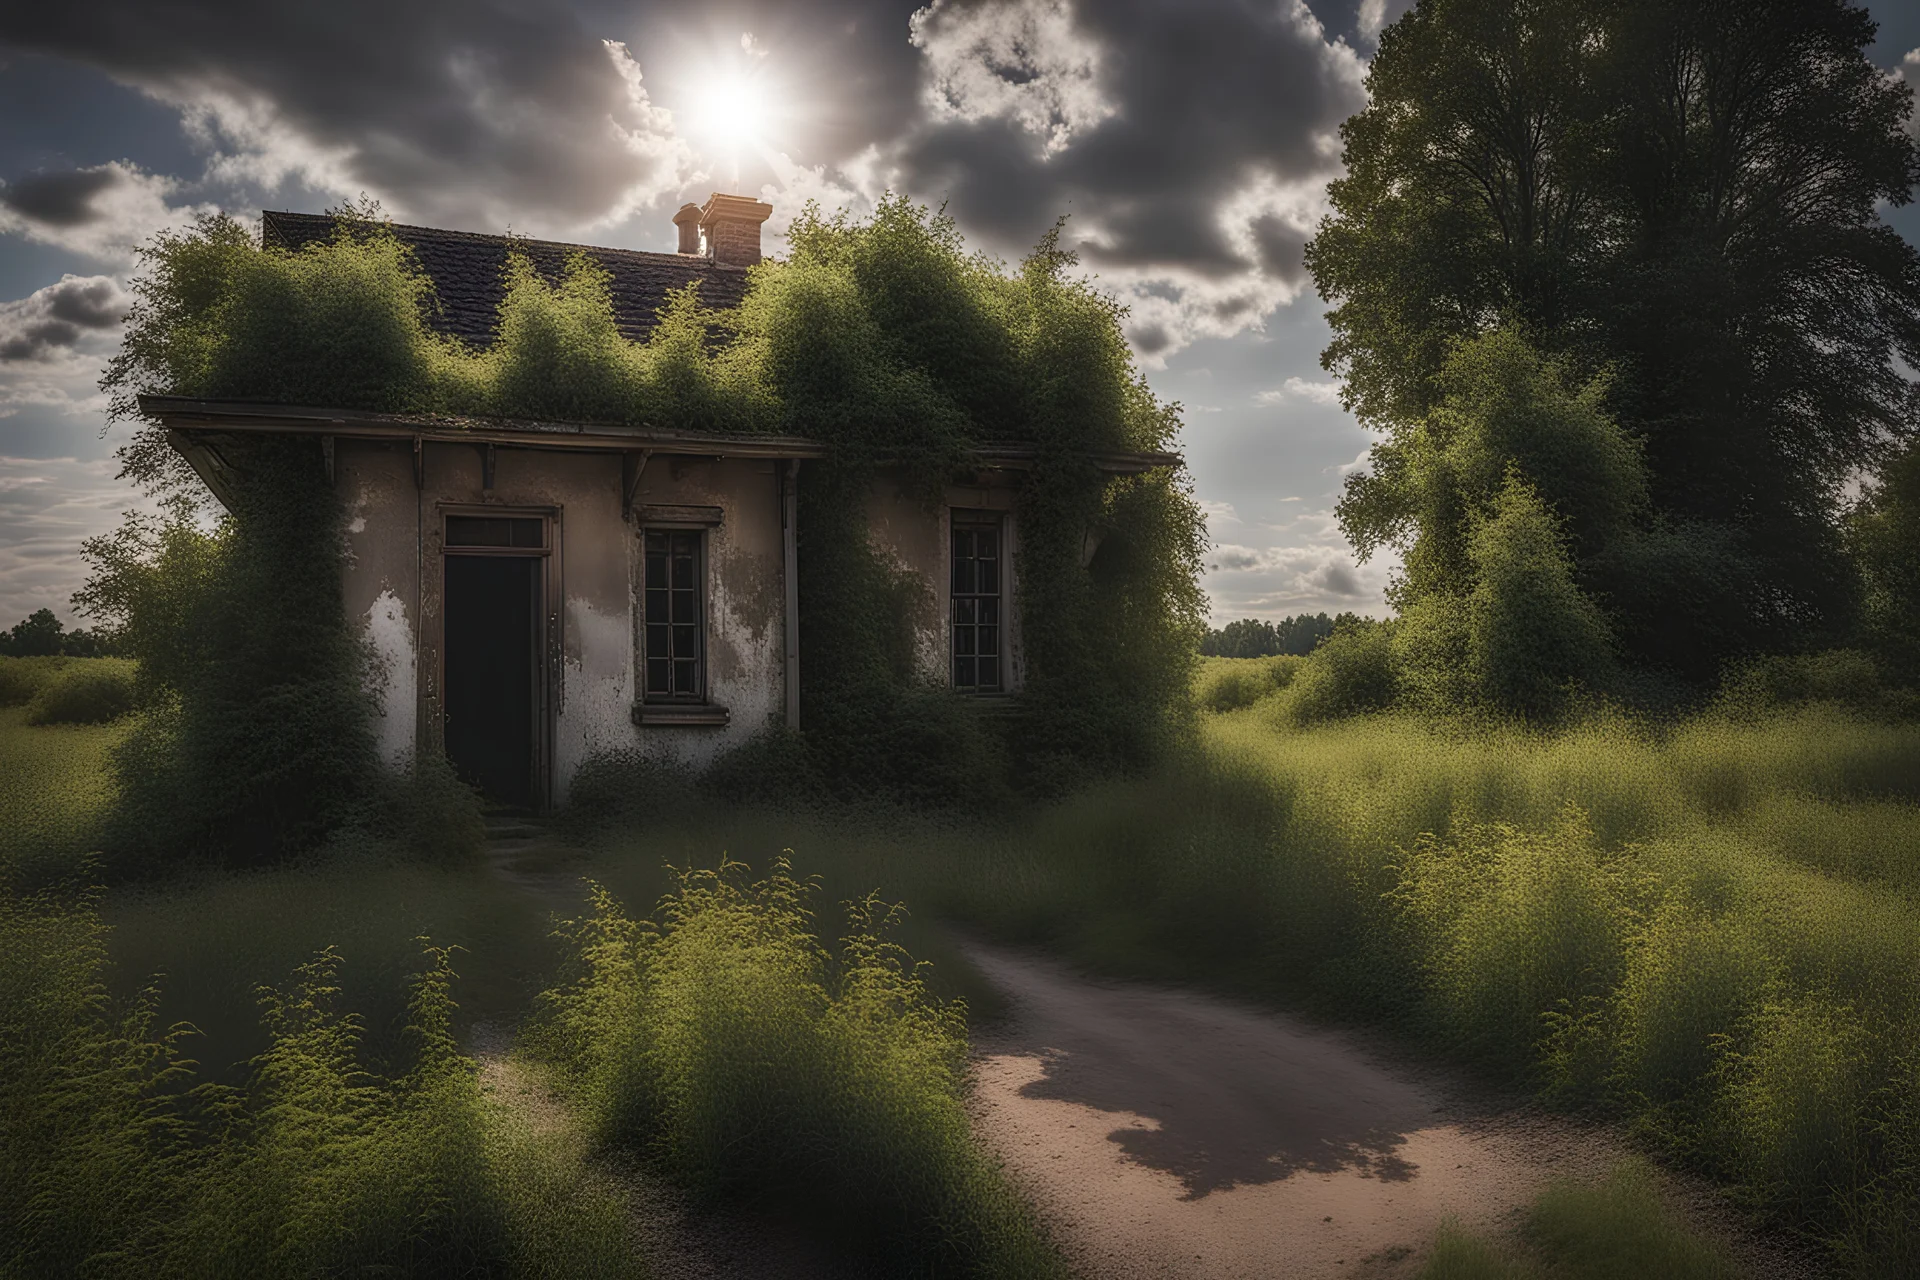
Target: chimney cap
<point>688,212</point>
<point>725,208</point>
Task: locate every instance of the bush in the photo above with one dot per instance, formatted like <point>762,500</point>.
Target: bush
<point>1351,672</point>
<point>1512,926</point>
<point>1846,676</point>
<point>1228,684</point>
<point>436,816</point>
<point>86,691</point>
<point>119,1162</point>
<point>22,678</point>
<point>732,1049</point>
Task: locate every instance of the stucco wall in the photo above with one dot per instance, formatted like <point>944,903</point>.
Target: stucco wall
<point>393,572</point>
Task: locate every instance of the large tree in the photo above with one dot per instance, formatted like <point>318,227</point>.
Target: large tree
<point>1682,194</point>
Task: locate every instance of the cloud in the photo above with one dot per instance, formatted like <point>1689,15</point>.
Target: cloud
<point>1274,582</point>
<point>1191,142</point>
<point>448,112</point>
<point>102,212</point>
<point>1327,393</point>
<point>1909,70</point>
<point>1026,61</point>
<point>48,506</point>
<point>51,323</point>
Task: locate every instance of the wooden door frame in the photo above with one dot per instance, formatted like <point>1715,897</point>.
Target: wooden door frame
<point>547,630</point>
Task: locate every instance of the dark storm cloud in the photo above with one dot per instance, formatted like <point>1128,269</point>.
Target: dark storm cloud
<point>50,322</point>
<point>448,109</point>
<point>59,199</point>
<point>1170,107</point>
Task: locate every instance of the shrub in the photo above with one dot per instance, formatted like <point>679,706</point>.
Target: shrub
<point>1351,672</point>
<point>1511,926</point>
<point>1846,676</point>
<point>1532,636</point>
<point>88,691</point>
<point>1621,1229</point>
<point>22,678</point>
<point>1228,684</point>
<point>731,1048</point>
<point>435,815</point>
<point>118,1162</point>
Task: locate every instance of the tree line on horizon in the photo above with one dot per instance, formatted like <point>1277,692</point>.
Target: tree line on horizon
<point>1264,638</point>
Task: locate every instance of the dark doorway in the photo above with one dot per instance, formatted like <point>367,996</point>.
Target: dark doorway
<point>492,650</point>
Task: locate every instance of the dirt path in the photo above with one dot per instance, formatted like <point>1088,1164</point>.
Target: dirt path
<point>1174,1135</point>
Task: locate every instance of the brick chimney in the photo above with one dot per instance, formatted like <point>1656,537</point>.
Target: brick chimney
<point>731,226</point>
<point>688,220</point>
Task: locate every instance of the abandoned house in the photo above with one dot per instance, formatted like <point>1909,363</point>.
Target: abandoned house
<point>538,592</point>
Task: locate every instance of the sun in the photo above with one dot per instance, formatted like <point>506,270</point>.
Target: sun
<point>733,111</point>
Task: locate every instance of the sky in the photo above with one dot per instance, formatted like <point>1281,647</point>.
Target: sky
<point>1187,142</point>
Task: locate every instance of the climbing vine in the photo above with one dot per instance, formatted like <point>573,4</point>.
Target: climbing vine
<point>884,338</point>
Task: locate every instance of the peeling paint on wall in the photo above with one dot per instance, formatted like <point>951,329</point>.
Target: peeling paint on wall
<point>390,637</point>
<point>598,675</point>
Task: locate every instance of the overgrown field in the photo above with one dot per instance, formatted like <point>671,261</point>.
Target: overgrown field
<point>1710,929</point>
<point>261,1072</point>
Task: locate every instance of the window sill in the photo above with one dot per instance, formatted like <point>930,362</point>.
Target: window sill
<point>660,715</point>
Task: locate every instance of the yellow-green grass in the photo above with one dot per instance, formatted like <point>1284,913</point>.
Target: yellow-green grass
<point>55,787</point>
<point>1620,1228</point>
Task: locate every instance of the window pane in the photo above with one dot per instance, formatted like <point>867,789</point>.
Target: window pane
<point>685,677</point>
<point>988,641</point>
<point>656,605</point>
<point>963,639</point>
<point>659,675</point>
<point>963,672</point>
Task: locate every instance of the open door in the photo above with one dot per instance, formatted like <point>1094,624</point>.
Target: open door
<point>493,655</point>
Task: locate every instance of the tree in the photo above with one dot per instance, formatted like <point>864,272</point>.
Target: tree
<point>1683,195</point>
<point>1885,529</point>
<point>35,636</point>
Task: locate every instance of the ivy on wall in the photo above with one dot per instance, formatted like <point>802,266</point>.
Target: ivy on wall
<point>883,338</point>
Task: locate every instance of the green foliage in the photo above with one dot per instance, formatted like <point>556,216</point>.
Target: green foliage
<point>728,1045</point>
<point>1512,926</point>
<point>120,1162</point>
<point>21,679</point>
<point>56,788</point>
<point>1885,531</point>
<point>86,691</point>
<point>1567,168</point>
<point>35,636</point>
<point>1255,638</point>
<point>1619,1228</point>
<point>1532,636</point>
<point>1228,684</point>
<point>259,742</point>
<point>884,339</point>
<point>1351,672</point>
<point>434,815</point>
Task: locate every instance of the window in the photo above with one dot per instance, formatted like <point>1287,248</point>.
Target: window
<point>977,579</point>
<point>675,666</point>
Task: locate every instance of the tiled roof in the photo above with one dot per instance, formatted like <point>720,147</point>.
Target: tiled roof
<point>466,271</point>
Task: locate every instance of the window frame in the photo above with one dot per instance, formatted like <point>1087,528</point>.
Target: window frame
<point>702,694</point>
<point>959,518</point>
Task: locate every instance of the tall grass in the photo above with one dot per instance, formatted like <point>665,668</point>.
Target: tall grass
<point>120,1160</point>
<point>742,1056</point>
<point>1708,930</point>
<point>55,791</point>
<point>1618,1228</point>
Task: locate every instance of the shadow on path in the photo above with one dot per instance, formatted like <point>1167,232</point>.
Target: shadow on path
<point>1228,1097</point>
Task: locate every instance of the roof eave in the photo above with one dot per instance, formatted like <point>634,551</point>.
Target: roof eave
<point>184,415</point>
